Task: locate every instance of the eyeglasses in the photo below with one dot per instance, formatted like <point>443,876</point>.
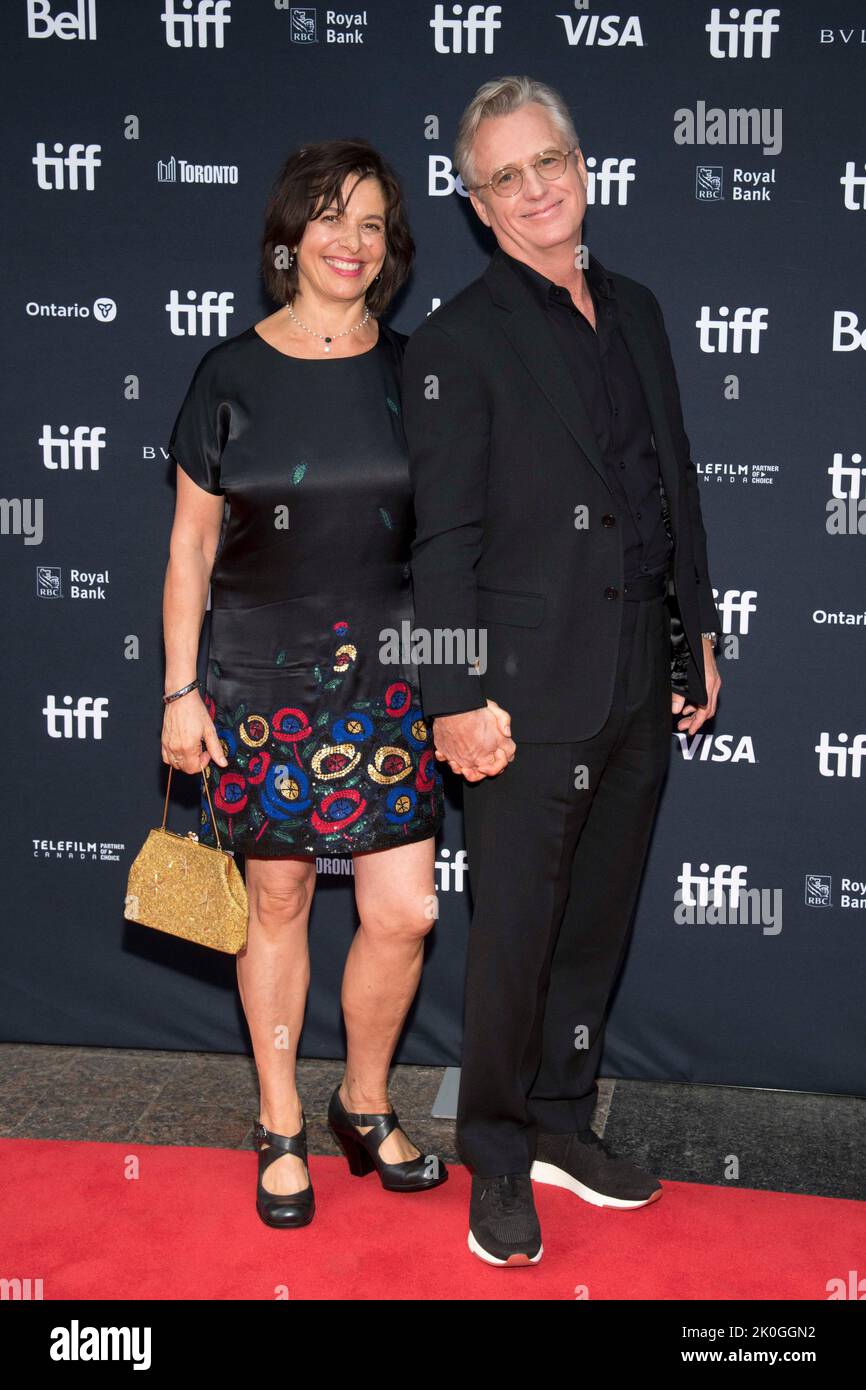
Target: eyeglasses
<point>508,181</point>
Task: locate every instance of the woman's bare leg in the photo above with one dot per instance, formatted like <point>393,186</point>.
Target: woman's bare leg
<point>395,897</point>
<point>273,979</point>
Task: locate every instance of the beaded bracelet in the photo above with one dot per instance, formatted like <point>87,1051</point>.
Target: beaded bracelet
<point>166,699</point>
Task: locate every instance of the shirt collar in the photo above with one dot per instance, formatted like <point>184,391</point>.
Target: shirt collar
<point>599,280</point>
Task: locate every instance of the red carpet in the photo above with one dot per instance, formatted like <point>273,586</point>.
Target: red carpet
<point>186,1228</point>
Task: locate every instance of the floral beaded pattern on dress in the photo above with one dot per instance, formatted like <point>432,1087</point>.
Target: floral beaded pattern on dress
<point>362,778</point>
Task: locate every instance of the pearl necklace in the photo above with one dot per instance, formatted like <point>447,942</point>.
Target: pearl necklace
<point>327,339</point>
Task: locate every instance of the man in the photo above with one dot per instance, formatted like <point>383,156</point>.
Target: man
<point>558,514</point>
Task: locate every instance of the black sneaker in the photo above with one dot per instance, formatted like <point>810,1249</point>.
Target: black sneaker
<point>582,1164</point>
<point>503,1224</point>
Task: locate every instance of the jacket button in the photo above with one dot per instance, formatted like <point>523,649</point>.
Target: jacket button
<point>611,592</point>
<point>608,520</point>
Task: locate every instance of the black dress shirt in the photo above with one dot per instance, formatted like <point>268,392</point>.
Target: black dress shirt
<point>605,375</point>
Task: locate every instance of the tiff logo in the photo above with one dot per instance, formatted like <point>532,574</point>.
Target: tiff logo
<point>855,188</point>
<point>724,335</point>
<point>614,173</point>
<point>480,19</point>
<point>724,877</point>
<point>60,171</point>
<point>88,713</point>
<point>194,29</point>
<point>451,873</point>
<point>736,603</point>
<point>837,759</point>
<point>725,35</point>
<point>61,452</point>
<point>846,479</point>
<point>198,317</point>
<point>729,903</point>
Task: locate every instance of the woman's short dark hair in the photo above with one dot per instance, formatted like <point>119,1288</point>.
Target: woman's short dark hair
<point>310,181</point>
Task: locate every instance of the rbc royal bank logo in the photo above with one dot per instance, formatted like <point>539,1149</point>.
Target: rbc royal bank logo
<point>303,25</point>
<point>49,582</point>
<point>709,183</point>
<point>819,890</point>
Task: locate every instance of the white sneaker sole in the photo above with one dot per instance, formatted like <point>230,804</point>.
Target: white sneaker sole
<point>557,1177</point>
<point>512,1262</point>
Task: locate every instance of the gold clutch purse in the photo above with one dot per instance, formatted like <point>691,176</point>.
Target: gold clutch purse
<point>180,886</point>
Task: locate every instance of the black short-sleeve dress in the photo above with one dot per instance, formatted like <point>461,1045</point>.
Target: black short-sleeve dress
<point>310,681</point>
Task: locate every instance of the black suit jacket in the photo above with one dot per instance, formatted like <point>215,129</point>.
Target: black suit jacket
<point>502,453</point>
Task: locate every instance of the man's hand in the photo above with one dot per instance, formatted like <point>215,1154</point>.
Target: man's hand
<point>700,713</point>
<point>476,743</point>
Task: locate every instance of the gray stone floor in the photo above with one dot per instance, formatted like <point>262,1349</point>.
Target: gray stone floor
<point>783,1140</point>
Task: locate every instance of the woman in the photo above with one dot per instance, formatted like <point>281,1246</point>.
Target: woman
<point>320,746</point>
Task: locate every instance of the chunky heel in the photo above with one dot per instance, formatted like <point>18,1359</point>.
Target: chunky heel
<point>359,1161</point>
<point>362,1150</point>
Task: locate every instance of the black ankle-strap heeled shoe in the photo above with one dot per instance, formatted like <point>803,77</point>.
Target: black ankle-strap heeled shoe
<point>277,1208</point>
<point>362,1150</point>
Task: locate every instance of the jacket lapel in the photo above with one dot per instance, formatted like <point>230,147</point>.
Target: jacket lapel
<point>525,325</point>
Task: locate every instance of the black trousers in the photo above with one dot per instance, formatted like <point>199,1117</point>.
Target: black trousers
<point>555,858</point>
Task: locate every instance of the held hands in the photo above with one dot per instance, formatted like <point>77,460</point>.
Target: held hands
<point>185,724</point>
<point>476,743</point>
<point>701,713</point>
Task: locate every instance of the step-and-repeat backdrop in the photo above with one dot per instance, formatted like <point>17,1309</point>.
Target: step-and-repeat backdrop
<point>727,156</point>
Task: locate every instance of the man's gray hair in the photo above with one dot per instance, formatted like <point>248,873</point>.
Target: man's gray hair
<point>500,97</point>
